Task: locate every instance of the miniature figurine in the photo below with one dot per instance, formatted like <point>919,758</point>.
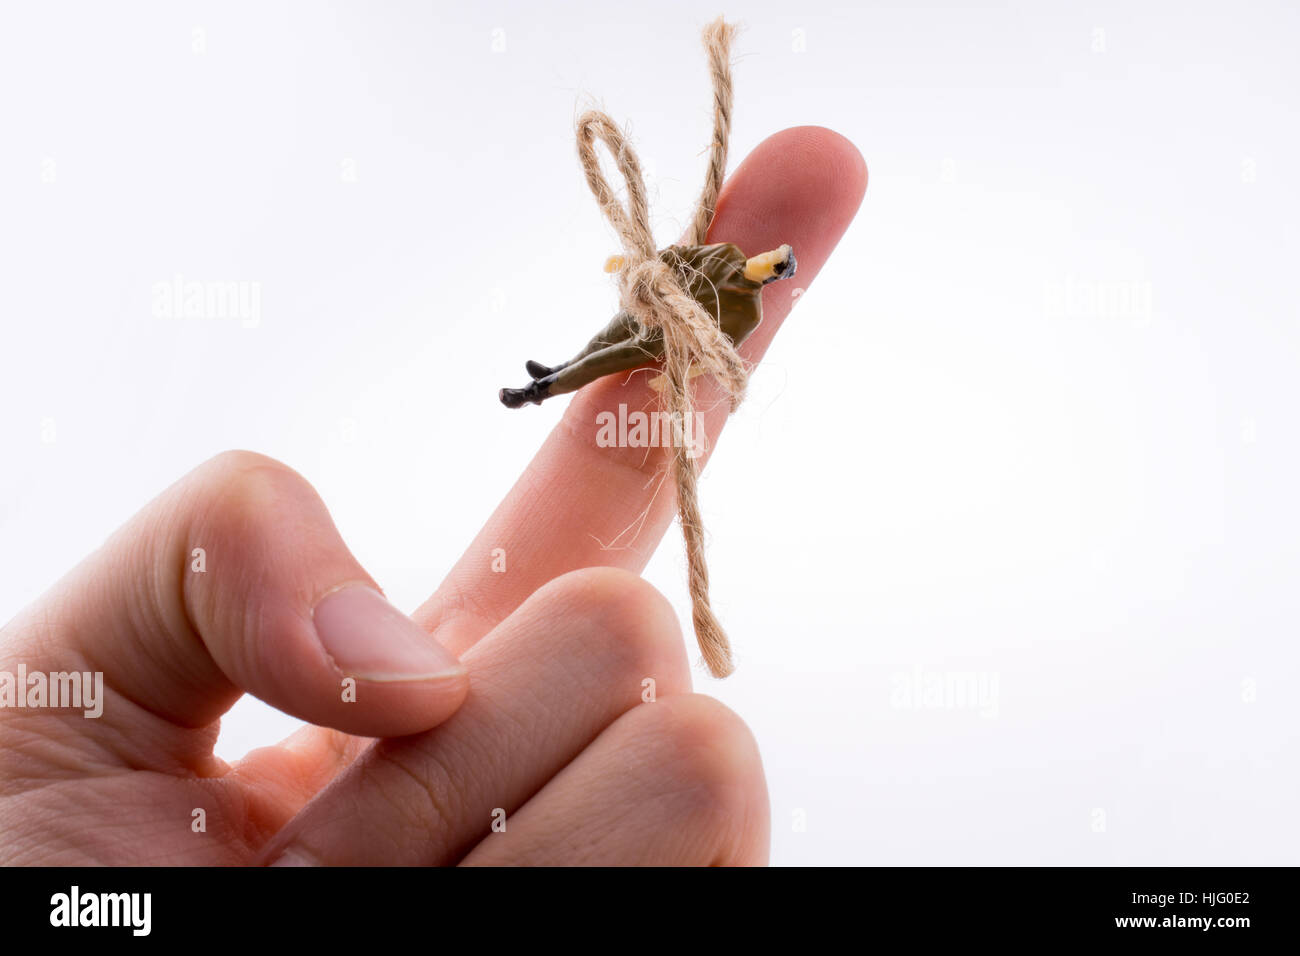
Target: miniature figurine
<point>719,277</point>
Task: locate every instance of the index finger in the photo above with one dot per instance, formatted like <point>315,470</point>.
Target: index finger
<point>801,186</point>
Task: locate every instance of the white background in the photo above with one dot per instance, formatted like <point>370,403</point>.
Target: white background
<point>1035,422</point>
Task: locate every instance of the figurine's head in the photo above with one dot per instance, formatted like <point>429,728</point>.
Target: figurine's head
<point>770,266</point>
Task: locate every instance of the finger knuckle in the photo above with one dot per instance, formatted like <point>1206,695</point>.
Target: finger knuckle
<point>238,482</point>
<point>717,773</point>
<point>240,502</point>
<point>244,510</point>
<point>635,627</point>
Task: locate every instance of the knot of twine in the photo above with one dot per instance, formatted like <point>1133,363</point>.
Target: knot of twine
<point>654,293</point>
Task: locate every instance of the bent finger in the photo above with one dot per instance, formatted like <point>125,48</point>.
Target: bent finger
<point>676,783</point>
<point>236,580</point>
<point>568,663</point>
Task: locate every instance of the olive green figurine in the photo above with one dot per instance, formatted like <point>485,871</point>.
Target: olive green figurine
<point>719,277</point>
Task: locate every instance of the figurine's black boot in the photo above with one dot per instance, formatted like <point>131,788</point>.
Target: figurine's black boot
<point>538,370</point>
<point>535,392</point>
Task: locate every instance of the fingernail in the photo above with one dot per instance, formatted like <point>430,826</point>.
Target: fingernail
<point>371,640</point>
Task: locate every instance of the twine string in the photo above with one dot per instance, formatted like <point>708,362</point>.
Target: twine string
<point>654,293</point>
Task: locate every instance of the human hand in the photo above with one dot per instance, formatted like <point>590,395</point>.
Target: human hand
<point>542,719</point>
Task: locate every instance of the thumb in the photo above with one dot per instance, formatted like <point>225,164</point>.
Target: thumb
<point>235,580</point>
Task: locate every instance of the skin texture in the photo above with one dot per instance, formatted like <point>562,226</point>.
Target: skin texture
<point>542,719</point>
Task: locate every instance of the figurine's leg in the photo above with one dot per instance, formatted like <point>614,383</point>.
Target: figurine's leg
<point>607,361</point>
<point>538,370</point>
<point>582,371</point>
<point>621,328</point>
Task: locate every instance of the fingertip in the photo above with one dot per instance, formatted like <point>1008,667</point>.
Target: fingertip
<point>381,708</point>
<point>801,186</point>
<point>840,157</point>
<point>826,158</point>
<point>413,707</point>
<point>805,180</point>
